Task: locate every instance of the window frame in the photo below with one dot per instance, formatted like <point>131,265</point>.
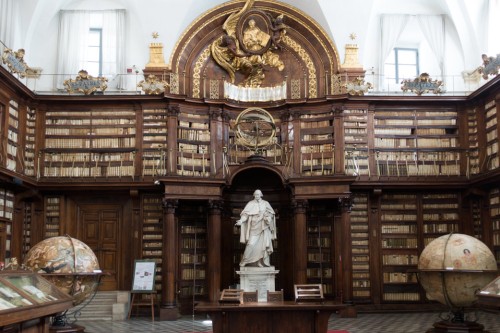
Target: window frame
<point>100,64</point>
<point>396,64</point>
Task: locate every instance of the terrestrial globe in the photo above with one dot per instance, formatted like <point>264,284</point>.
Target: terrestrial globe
<point>452,269</point>
<point>68,263</point>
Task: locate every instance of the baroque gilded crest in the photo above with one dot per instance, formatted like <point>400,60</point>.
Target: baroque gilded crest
<point>422,84</point>
<point>153,86</point>
<point>15,61</point>
<point>252,41</point>
<point>86,83</point>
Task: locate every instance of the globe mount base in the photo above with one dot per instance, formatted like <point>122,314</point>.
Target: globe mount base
<point>66,329</point>
<point>454,327</point>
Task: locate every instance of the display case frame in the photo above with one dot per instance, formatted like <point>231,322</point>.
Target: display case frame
<point>490,295</point>
<point>30,297</point>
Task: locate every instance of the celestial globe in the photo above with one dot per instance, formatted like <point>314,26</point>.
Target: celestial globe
<point>452,269</point>
<point>68,263</point>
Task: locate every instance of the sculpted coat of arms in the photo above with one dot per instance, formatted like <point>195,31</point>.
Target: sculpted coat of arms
<point>250,44</point>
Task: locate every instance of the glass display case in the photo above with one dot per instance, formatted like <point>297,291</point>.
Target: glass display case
<point>489,296</point>
<point>28,297</point>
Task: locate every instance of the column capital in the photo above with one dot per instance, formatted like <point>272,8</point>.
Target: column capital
<point>170,205</point>
<point>300,205</point>
<point>215,206</point>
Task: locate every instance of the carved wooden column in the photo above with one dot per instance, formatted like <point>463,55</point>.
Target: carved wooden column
<point>168,306</point>
<point>338,135</point>
<point>300,241</point>
<point>214,249</point>
<point>297,158</point>
<point>172,113</point>
<point>216,139</point>
<point>345,249</point>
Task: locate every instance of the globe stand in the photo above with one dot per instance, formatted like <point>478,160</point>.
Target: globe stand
<point>60,322</point>
<point>60,325</point>
<point>457,324</point>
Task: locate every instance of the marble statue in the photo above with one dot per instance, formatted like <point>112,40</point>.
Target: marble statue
<point>258,229</point>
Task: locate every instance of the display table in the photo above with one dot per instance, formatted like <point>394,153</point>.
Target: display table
<point>27,301</point>
<point>262,317</point>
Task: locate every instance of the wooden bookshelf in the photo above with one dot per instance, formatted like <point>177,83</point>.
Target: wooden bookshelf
<point>193,145</point>
<point>440,214</point>
<point>29,149</point>
<point>400,248</point>
<point>192,255</point>
<point>491,117</point>
<point>360,229</point>
<point>6,219</point>
<point>473,167</point>
<point>317,144</point>
<point>476,205</point>
<point>94,143</point>
<point>152,233</point>
<point>356,148</point>
<point>154,142</point>
<point>494,198</point>
<point>52,216</point>
<point>27,223</point>
<point>320,249</point>
<point>11,156</point>
<point>416,142</point>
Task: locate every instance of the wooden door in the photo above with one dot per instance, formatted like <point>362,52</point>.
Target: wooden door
<point>99,228</point>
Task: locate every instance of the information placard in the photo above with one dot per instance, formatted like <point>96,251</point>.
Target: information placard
<point>144,276</point>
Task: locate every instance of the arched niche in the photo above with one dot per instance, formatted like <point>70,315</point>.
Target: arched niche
<point>309,56</point>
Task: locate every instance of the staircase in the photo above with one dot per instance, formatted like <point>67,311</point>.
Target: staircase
<point>106,305</point>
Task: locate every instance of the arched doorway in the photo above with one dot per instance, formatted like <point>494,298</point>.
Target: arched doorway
<point>235,198</point>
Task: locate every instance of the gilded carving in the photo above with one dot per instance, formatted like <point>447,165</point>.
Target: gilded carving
<point>197,72</point>
<point>422,84</point>
<point>336,84</point>
<point>152,85</point>
<point>214,89</point>
<point>295,88</point>
<point>15,61</point>
<point>247,46</point>
<point>174,83</point>
<point>357,87</point>
<point>86,83</point>
<point>306,58</point>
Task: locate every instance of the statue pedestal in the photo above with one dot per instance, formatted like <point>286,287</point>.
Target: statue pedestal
<point>258,278</point>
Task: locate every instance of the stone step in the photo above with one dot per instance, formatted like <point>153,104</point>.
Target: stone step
<point>101,306</point>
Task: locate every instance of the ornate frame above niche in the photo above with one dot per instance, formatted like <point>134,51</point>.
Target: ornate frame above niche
<point>254,51</point>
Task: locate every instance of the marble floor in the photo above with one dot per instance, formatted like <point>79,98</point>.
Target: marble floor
<point>364,323</point>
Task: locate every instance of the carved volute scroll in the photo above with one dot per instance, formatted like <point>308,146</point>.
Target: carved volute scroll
<point>289,50</point>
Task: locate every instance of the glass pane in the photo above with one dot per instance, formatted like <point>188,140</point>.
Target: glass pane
<point>93,68</point>
<point>407,71</point>
<point>391,58</point>
<point>407,57</point>
<point>93,54</point>
<point>94,38</point>
<point>390,72</point>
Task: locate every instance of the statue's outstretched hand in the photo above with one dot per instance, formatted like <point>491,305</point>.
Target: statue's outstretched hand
<point>238,222</point>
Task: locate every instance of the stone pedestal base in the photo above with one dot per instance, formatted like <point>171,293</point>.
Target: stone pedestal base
<point>258,278</point>
<point>169,313</point>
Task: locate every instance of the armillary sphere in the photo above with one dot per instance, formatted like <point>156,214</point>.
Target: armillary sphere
<point>255,128</point>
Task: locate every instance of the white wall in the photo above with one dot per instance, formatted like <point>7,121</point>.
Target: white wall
<point>339,18</point>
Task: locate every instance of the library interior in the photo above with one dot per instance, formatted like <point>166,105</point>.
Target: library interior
<point>270,165</point>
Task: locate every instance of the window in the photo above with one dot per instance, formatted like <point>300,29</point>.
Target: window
<point>402,63</point>
<point>94,50</point>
